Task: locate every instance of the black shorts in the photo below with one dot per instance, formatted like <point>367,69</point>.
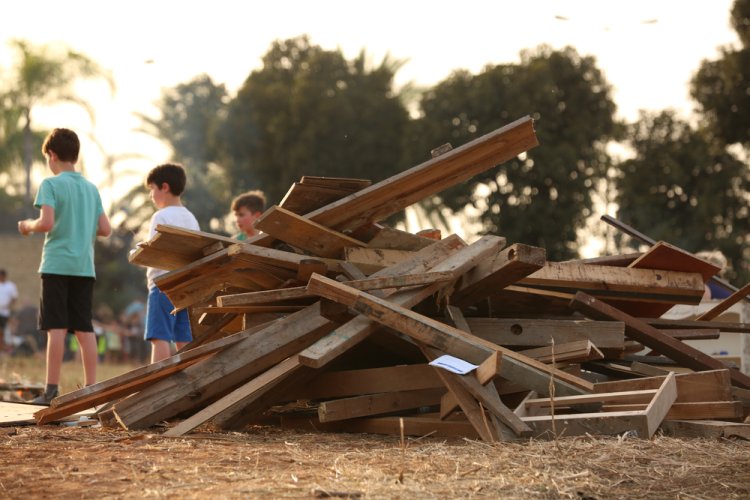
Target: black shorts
<point>66,303</point>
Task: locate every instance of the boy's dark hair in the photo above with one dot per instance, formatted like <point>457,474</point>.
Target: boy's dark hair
<point>64,143</point>
<point>171,173</point>
<point>255,201</point>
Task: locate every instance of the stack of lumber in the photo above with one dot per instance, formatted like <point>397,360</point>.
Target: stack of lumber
<point>329,320</point>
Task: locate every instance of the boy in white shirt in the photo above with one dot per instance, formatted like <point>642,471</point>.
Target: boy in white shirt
<point>166,184</point>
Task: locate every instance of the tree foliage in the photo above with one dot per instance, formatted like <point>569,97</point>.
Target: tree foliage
<point>309,111</point>
<point>722,87</point>
<point>543,198</point>
<point>43,76</point>
<point>191,115</point>
<point>683,187</point>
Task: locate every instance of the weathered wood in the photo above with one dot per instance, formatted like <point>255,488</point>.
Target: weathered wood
<point>510,265</point>
<point>305,234</point>
<point>390,238</point>
<point>644,422</point>
<point>375,258</point>
<point>653,338</point>
<point>241,396</point>
<point>714,385</point>
<point>345,383</point>
<point>665,257</point>
<point>434,259</point>
<point>130,382</point>
<point>709,429</point>
<point>204,381</point>
<point>439,335</point>
<point>581,350</point>
<point>423,425</point>
<point>392,195</point>
<point>375,283</point>
<point>725,304</point>
<point>377,404</point>
<point>530,332</point>
<point>618,282</point>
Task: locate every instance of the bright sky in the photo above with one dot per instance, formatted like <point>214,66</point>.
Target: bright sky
<point>648,49</point>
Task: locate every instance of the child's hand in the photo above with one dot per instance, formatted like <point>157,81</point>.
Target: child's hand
<point>23,227</point>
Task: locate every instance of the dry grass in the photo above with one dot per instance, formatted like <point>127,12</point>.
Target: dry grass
<point>32,370</point>
<point>62,462</point>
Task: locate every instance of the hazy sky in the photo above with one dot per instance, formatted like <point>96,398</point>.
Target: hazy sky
<point>647,49</point>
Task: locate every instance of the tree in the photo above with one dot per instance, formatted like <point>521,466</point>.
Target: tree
<point>191,115</point>
<point>683,187</point>
<point>43,77</point>
<point>309,111</point>
<point>722,87</point>
<point>542,198</point>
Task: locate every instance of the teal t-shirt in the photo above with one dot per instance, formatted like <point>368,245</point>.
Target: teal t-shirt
<point>69,246</point>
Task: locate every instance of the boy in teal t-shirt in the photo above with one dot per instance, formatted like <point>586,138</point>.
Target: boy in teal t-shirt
<point>72,217</point>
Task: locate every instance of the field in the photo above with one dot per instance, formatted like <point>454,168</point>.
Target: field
<point>59,461</point>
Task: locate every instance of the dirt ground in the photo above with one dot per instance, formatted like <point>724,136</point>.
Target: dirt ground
<point>267,462</point>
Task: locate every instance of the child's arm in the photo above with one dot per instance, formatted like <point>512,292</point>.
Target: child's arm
<point>43,224</point>
<point>103,228</point>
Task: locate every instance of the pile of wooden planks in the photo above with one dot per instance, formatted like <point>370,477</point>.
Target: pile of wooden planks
<point>331,321</point>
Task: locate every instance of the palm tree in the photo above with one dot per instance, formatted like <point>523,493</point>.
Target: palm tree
<point>42,76</point>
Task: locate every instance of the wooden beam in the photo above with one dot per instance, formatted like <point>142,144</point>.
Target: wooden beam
<point>725,304</point>
<point>392,195</point>
<point>241,396</point>
<point>510,265</point>
<point>436,334</point>
<point>375,283</point>
<point>377,404</point>
<point>653,338</point>
<point>359,328</point>
<point>304,233</point>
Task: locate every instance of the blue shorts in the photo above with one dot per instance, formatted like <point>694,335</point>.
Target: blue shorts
<point>161,324</point>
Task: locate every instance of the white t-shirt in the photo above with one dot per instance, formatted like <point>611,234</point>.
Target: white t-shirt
<point>8,293</point>
<point>171,216</point>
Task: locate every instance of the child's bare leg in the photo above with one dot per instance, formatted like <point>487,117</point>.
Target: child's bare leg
<point>55,351</point>
<point>159,350</point>
<point>89,355</point>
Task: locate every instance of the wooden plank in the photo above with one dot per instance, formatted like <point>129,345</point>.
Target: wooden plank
<point>486,395</point>
<point>412,426</point>
<point>659,406</point>
<point>531,332</point>
<point>709,429</point>
<point>130,382</point>
<point>390,238</point>
<point>302,198</point>
<point>377,404</point>
<point>375,283</point>
<point>343,183</point>
<point>666,257</point>
<point>510,265</point>
<point>434,333</point>
<point>392,195</point>
<point>375,258</point>
<point>643,422</point>
<point>703,410</point>
<point>581,350</point>
<point>305,234</point>
<point>243,395</point>
<point>653,338</point>
<point>616,282</point>
<point>436,260</point>
<point>338,384</point>
<point>725,304</point>
<point>226,370</point>
<point>711,385</point>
